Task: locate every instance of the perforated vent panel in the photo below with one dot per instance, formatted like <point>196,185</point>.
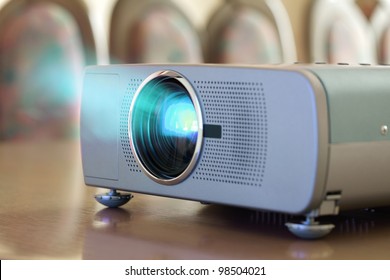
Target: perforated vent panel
<point>123,131</point>
<point>239,157</point>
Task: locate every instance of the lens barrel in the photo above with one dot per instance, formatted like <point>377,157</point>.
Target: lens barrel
<point>166,127</point>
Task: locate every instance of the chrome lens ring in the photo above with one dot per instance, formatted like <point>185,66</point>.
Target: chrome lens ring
<point>166,127</point>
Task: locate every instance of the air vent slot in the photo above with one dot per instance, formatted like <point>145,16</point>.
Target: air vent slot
<point>239,157</point>
<point>123,128</point>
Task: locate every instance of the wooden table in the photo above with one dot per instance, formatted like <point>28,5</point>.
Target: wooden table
<point>46,212</point>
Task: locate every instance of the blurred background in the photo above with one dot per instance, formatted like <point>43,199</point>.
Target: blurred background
<point>45,44</point>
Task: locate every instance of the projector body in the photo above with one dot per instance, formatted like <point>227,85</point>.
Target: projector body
<point>299,139</point>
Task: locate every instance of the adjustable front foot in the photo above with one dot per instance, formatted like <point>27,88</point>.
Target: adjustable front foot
<point>309,229</point>
<point>312,229</point>
<point>113,199</point>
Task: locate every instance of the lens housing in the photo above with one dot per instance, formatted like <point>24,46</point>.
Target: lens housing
<point>166,127</point>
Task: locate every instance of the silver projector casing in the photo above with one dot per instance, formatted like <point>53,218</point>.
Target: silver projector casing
<point>290,135</point>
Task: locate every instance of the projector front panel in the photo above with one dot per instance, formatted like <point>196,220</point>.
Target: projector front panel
<point>270,149</point>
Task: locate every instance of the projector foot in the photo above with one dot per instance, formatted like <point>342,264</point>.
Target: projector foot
<point>309,229</point>
<point>113,199</point>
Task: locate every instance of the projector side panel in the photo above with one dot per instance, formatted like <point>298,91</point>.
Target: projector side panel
<point>359,165</point>
<point>361,171</point>
<point>99,127</point>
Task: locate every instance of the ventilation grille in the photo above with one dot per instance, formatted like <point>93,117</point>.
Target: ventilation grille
<point>239,157</point>
<point>123,131</point>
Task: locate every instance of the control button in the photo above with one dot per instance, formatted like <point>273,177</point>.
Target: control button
<point>384,130</point>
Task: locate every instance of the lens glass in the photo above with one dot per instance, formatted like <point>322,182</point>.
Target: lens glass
<point>164,127</point>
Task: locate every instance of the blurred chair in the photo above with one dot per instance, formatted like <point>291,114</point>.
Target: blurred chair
<point>340,33</point>
<point>367,6</point>
<point>152,31</point>
<point>380,20</point>
<point>44,45</point>
<point>250,32</point>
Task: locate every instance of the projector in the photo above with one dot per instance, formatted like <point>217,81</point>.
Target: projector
<point>308,140</point>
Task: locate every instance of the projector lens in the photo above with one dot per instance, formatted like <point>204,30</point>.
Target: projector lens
<point>166,127</point>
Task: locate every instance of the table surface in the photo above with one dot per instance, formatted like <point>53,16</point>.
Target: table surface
<point>47,212</point>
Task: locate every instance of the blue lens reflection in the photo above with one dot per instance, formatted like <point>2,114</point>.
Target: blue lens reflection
<point>179,118</point>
